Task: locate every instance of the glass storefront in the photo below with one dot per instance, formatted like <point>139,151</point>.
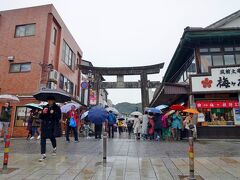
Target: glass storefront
<point>217,116</point>
<point>22,114</point>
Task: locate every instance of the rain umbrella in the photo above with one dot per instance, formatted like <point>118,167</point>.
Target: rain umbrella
<point>177,107</point>
<point>163,106</point>
<point>84,115</point>
<point>8,98</point>
<point>121,118</point>
<point>59,96</point>
<point>114,110</point>
<point>97,115</point>
<point>136,113</point>
<point>154,110</point>
<point>67,107</point>
<point>190,110</point>
<point>33,106</point>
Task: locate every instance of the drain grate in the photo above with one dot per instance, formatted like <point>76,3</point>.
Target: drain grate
<point>197,177</point>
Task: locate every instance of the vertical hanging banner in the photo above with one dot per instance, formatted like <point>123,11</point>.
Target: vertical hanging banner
<point>93,97</point>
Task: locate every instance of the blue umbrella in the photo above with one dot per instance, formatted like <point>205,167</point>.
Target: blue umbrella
<point>97,115</point>
<point>163,106</point>
<point>154,110</point>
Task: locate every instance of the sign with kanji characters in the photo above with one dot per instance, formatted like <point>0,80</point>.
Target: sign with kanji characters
<point>217,104</point>
<point>221,79</point>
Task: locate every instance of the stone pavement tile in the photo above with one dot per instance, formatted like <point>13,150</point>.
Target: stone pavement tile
<point>49,177</point>
<point>84,176</point>
<point>217,170</point>
<point>149,172</point>
<point>17,177</point>
<point>117,172</point>
<point>69,174</point>
<point>226,166</point>
<point>149,178</point>
<point>160,169</point>
<point>175,172</point>
<point>116,177</point>
<point>132,176</point>
<point>201,170</point>
<point>38,174</point>
<point>181,165</point>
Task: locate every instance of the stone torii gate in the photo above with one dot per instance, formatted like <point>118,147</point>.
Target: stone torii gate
<point>120,72</point>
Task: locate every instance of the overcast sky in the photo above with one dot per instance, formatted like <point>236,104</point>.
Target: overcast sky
<point>131,32</point>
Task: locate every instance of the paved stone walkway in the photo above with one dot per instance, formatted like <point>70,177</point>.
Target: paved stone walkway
<point>127,159</point>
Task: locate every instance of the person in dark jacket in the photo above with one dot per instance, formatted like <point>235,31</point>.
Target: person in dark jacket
<point>111,123</point>
<point>50,127</point>
<point>5,119</point>
<point>157,126</point>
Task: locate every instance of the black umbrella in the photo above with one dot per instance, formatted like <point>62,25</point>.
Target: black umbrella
<point>59,96</point>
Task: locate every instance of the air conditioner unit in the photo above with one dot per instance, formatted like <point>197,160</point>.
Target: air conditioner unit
<point>53,76</point>
<point>52,85</point>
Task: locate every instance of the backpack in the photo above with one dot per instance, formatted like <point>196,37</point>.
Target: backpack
<point>72,122</point>
<point>111,119</point>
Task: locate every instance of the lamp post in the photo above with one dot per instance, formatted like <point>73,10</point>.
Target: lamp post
<point>89,85</point>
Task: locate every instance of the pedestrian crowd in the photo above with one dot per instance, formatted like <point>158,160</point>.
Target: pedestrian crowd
<point>49,122</point>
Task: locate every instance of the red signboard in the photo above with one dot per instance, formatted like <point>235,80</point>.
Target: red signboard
<point>217,104</point>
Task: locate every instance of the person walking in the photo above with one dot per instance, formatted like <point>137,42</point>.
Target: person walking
<point>35,124</point>
<point>129,127</point>
<point>120,126</point>
<point>157,126</point>
<point>29,126</point>
<point>98,130</point>
<point>151,127</point>
<point>50,128</point>
<point>111,123</point>
<point>5,119</point>
<point>72,124</point>
<point>137,127</point>
<point>145,125</point>
<point>176,125</point>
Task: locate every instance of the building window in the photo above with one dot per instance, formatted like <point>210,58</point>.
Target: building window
<point>23,67</point>
<point>229,59</point>
<point>217,60</point>
<point>54,35</point>
<point>219,57</point>
<point>68,56</point>
<point>66,84</point>
<point>25,30</point>
<point>237,58</point>
<point>22,115</point>
<point>206,61</point>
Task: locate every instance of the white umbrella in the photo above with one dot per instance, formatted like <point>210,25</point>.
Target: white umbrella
<point>8,98</point>
<point>114,110</point>
<point>67,107</point>
<point>84,115</point>
<point>136,113</point>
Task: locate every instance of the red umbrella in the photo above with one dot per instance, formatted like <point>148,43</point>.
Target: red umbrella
<point>177,107</point>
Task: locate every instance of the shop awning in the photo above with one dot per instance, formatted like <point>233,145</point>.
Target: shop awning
<point>171,93</point>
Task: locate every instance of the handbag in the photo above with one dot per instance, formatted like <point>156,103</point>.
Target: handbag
<point>72,122</point>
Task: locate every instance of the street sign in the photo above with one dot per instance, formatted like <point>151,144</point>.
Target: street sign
<point>84,85</point>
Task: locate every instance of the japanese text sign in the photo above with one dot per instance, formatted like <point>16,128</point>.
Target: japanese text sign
<point>217,104</point>
<point>221,79</point>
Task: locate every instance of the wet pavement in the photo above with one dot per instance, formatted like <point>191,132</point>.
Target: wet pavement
<point>127,159</point>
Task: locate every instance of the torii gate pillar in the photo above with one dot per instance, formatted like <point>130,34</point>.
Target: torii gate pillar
<point>144,90</point>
